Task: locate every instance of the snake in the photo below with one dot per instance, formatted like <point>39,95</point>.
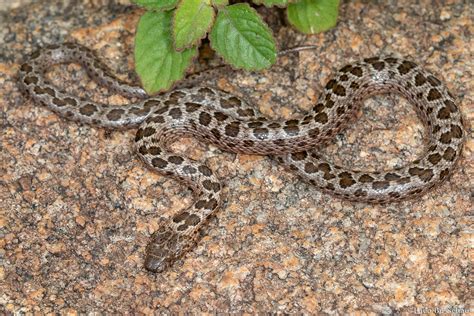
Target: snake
<point>232,124</point>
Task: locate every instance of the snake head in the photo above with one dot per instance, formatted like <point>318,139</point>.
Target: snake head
<point>165,247</point>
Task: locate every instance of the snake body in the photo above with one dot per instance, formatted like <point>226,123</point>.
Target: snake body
<point>228,122</point>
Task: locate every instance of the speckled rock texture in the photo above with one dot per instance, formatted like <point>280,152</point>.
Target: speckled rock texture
<point>78,207</point>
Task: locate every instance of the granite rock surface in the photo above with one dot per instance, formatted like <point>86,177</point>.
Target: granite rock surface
<point>78,207</point>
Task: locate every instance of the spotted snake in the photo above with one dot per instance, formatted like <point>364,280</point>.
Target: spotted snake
<point>229,123</point>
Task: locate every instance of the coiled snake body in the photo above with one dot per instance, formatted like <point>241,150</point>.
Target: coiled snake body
<point>229,123</point>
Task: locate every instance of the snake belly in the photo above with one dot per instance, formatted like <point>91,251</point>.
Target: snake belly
<point>228,122</point>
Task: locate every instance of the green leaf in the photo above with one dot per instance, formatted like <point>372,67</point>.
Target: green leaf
<point>271,3</point>
<point>313,16</point>
<point>156,61</point>
<point>157,5</point>
<point>241,37</point>
<point>219,3</point>
<point>191,22</point>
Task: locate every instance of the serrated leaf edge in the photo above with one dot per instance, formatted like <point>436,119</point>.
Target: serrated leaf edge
<point>170,83</point>
<point>244,67</point>
<point>197,40</point>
